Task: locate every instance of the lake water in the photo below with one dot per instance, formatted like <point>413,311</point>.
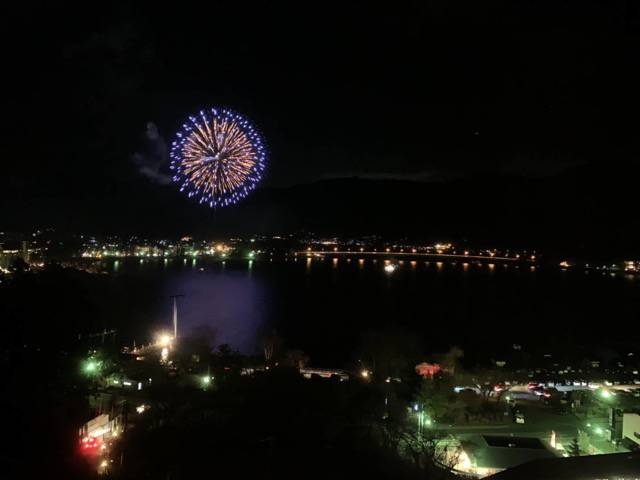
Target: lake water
<point>322,306</point>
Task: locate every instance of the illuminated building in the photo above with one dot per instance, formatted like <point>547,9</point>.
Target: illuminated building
<point>486,455</point>
<point>428,369</point>
<point>588,467</point>
<point>631,428</point>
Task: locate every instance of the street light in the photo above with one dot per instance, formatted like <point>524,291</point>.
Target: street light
<point>206,381</point>
<point>91,366</point>
<point>423,421</point>
<point>606,394</point>
<point>164,339</point>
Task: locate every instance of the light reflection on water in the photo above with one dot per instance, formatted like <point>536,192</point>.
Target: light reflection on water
<point>325,301</point>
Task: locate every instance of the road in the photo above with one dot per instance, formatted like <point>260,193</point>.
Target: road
<point>540,421</point>
<point>412,254</point>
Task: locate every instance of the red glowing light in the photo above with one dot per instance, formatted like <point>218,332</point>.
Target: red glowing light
<point>90,443</point>
<point>428,369</point>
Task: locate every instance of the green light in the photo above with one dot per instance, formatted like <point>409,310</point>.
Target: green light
<point>606,394</point>
<point>91,367</point>
<point>598,430</point>
<point>424,420</point>
<point>206,380</point>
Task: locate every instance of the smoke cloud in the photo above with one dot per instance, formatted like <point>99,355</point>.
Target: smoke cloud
<point>153,158</point>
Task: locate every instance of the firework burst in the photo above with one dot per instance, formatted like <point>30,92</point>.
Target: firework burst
<point>217,157</point>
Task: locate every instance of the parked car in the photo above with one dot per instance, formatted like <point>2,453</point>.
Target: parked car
<point>539,390</point>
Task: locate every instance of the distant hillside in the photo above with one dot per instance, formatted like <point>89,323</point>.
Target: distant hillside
<point>578,212</point>
<point>581,211</point>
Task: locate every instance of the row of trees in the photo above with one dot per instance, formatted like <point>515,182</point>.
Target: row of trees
<point>278,424</point>
<point>437,397</point>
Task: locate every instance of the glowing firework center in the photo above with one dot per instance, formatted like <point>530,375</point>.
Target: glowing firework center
<point>217,157</point>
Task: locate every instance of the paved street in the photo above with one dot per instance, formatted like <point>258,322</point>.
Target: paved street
<point>540,421</point>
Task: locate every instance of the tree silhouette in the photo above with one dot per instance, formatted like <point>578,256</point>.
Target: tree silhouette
<point>574,448</point>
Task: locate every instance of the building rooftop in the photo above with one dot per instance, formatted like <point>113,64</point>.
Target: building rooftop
<point>591,467</point>
<point>501,452</point>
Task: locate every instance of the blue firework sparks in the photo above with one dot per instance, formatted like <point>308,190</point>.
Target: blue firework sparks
<point>217,157</point>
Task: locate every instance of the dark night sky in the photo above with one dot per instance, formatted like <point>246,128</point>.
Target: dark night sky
<point>433,91</point>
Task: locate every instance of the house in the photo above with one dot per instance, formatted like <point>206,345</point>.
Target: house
<point>590,467</point>
<point>631,428</point>
<point>489,454</point>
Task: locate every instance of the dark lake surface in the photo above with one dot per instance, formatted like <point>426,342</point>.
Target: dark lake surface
<point>323,306</point>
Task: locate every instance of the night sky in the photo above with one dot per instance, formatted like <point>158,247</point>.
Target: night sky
<point>426,91</point>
